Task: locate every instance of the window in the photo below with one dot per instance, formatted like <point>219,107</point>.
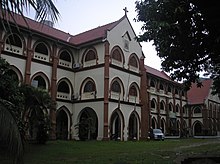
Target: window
<point>89,87</point>
<point>161,87</point>
<point>153,104</point>
<point>39,82</point>
<point>90,55</point>
<point>133,62</point>
<point>63,87</point>
<point>63,91</point>
<point>170,107</point>
<point>116,87</point>
<point>133,91</point>
<point>152,83</point>
<point>177,108</point>
<point>41,48</point>
<point>14,44</point>
<point>176,91</point>
<point>14,40</point>
<point>65,59</point>
<point>117,55</point>
<point>197,110</point>
<point>169,89</point>
<point>41,52</point>
<point>65,56</point>
<point>162,107</point>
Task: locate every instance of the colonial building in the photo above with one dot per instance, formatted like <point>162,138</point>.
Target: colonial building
<point>167,103</point>
<point>97,78</point>
<point>204,109</point>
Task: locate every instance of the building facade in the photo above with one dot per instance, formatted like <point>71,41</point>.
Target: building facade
<point>97,78</point>
<point>204,109</point>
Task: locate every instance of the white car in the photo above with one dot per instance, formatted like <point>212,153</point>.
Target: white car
<point>157,134</point>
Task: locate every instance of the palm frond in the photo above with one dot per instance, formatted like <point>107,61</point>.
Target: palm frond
<point>43,8</point>
<point>10,136</point>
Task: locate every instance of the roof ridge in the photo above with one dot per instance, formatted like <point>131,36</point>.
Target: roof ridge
<point>108,24</point>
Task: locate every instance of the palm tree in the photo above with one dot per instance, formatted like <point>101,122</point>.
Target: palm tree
<point>43,8</point>
<point>37,102</point>
<point>10,122</point>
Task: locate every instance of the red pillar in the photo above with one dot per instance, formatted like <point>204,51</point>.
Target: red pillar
<point>106,91</point>
<point>144,101</point>
<point>55,61</point>
<point>28,61</point>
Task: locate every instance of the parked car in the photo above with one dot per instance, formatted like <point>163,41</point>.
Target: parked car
<point>157,134</point>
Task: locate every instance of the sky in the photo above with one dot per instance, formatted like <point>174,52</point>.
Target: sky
<point>77,16</point>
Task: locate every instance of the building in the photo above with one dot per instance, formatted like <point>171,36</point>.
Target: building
<point>167,103</point>
<point>98,79</point>
<point>204,109</point>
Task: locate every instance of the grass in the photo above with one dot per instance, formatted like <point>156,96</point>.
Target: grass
<point>112,152</point>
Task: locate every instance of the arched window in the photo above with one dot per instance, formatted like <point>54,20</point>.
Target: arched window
<point>117,55</point>
<point>162,106</point>
<point>153,104</point>
<point>133,91</point>
<point>133,62</point>
<point>176,91</point>
<point>39,82</point>
<point>152,83</point>
<point>63,87</point>
<point>170,107</point>
<point>14,44</point>
<point>90,55</point>
<point>41,52</point>
<point>169,89</point>
<point>63,90</point>
<point>177,108</point>
<point>184,110</point>
<point>65,59</point>
<point>89,87</point>
<point>161,86</point>
<point>14,40</point>
<point>197,110</point>
<point>116,87</point>
<point>41,48</point>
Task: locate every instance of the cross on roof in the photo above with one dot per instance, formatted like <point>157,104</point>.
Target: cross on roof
<point>126,10</point>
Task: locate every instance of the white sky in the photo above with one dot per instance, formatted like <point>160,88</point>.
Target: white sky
<point>77,16</point>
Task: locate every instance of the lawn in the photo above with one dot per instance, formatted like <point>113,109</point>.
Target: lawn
<point>113,152</point>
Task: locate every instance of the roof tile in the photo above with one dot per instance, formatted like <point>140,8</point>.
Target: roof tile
<point>197,95</point>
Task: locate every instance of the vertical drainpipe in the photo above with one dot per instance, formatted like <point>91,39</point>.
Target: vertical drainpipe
<point>106,91</point>
<point>55,61</point>
<point>144,101</point>
<point>28,61</point>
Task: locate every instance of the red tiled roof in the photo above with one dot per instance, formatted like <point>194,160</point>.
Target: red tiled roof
<point>157,73</point>
<point>39,27</point>
<point>197,95</point>
<point>91,35</point>
<point>94,34</point>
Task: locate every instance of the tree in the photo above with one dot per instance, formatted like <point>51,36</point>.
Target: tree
<point>37,101</point>
<point>11,125</point>
<point>182,37</point>
<point>43,8</point>
<point>16,104</point>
